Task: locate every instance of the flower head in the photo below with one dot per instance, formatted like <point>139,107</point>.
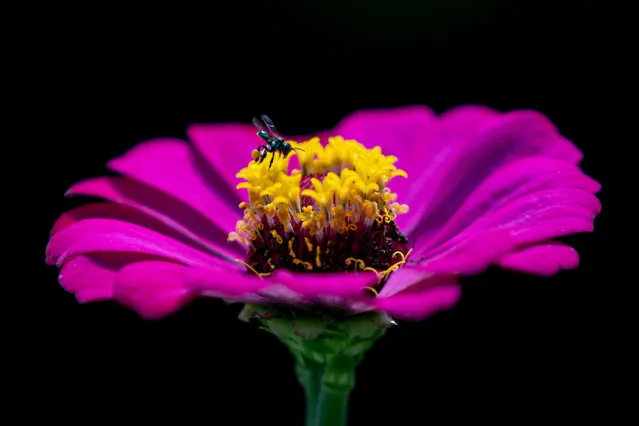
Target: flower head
<point>380,214</point>
<point>333,214</point>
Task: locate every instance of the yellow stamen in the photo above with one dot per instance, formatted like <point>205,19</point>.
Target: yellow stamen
<point>277,236</point>
<point>355,180</point>
<point>390,270</point>
<point>348,186</point>
<point>394,267</point>
<point>372,290</point>
<point>400,254</point>
<point>379,274</point>
<point>405,258</point>
<point>357,262</point>
<point>318,260</point>
<point>309,246</point>
<point>259,274</point>
<point>307,265</point>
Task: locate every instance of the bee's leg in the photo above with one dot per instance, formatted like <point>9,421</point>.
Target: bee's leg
<point>259,157</point>
<point>271,163</point>
<point>264,153</point>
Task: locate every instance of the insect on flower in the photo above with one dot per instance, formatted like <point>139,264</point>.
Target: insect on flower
<point>274,142</point>
<point>335,232</point>
<point>327,253</point>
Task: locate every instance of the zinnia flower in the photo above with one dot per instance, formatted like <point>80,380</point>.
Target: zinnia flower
<point>381,214</point>
<point>483,188</point>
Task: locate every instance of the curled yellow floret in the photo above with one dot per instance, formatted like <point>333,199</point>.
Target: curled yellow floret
<point>323,208</point>
<point>337,188</point>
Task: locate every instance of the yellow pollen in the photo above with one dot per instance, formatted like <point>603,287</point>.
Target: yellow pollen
<point>318,260</point>
<point>270,263</point>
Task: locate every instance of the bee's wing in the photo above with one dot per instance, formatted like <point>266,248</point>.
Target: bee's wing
<point>271,127</point>
<point>260,126</point>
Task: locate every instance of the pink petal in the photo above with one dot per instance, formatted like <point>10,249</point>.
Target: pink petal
<point>544,259</point>
<point>403,279</point>
<point>172,167</point>
<point>506,185</point>
<point>533,218</point>
<point>88,278</point>
<point>341,285</point>
<point>467,256</point>
<point>177,219</point>
<point>542,215</point>
<point>154,289</point>
<point>410,294</point>
<point>110,235</point>
<point>227,148</point>
<point>281,287</point>
<point>231,283</point>
<point>466,158</point>
<point>91,277</point>
<point>105,210</point>
<point>397,131</point>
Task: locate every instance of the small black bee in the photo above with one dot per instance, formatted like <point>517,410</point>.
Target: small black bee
<point>274,142</point>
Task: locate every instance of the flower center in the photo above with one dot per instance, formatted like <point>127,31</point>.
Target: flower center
<point>334,213</point>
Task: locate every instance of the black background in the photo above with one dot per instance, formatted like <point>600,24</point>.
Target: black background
<point>98,81</point>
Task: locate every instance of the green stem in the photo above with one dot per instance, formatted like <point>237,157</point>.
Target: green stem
<point>310,377</point>
<point>332,407</point>
<point>327,350</point>
<point>337,383</point>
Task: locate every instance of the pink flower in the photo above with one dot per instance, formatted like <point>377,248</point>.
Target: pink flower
<point>484,188</point>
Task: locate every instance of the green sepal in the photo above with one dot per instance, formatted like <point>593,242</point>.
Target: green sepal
<point>327,350</point>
